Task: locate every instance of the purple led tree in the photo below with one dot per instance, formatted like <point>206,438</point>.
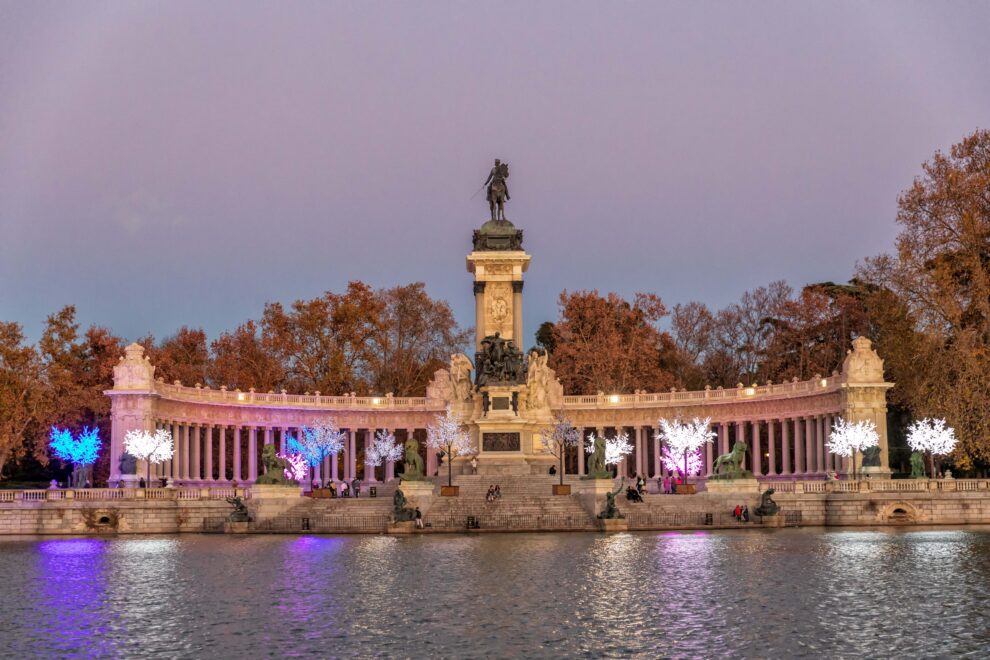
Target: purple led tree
<point>682,439</point>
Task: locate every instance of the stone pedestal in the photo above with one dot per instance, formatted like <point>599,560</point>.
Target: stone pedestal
<point>592,492</point>
<point>771,521</point>
<point>418,494</point>
<point>613,525</point>
<point>235,527</point>
<point>733,486</point>
<point>268,501</point>
<point>406,527</point>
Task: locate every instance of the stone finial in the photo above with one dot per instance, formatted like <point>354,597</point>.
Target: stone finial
<point>134,371</point>
<point>862,364</point>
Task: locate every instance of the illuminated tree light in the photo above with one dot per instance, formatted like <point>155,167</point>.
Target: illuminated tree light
<point>297,466</point>
<point>383,449</point>
<point>317,443</point>
<point>684,439</point>
<point>154,447</point>
<point>557,438</point>
<point>932,437</point>
<point>846,439</point>
<point>695,462</point>
<point>448,436</point>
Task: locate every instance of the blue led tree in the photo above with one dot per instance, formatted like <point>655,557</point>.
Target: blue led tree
<point>82,451</point>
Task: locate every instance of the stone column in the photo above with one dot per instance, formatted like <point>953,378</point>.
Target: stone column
<point>785,446</point>
<point>723,438</point>
<point>222,468</point>
<point>173,465</point>
<point>369,469</point>
<point>517,324</point>
<point>334,472</point>
<point>820,444</point>
<point>282,439</point>
<point>757,450</point>
<point>431,462</point>
<point>479,315</point>
<point>772,448</point>
<point>829,456</point>
<point>580,452</point>
<point>389,466</point>
<point>809,444</point>
<point>195,468</point>
<point>208,448</point>
<point>657,463</point>
<point>798,448</point>
<point>253,454</point>
<point>352,454</point>
<point>237,455</point>
<point>709,456</point>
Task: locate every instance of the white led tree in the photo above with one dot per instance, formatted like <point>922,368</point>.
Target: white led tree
<point>932,437</point>
<point>558,438</point>
<point>154,447</point>
<point>449,437</point>
<point>383,448</point>
<point>684,438</point>
<point>616,448</point>
<point>848,439</point>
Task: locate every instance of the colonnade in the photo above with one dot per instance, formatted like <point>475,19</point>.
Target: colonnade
<point>785,447</point>
<point>200,455</point>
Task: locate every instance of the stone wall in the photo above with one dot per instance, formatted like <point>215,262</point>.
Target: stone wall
<point>102,517</point>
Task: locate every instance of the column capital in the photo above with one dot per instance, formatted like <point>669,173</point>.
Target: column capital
<point>517,286</point>
<point>479,287</point>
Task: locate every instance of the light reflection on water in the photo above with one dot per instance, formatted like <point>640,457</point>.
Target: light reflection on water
<point>772,593</point>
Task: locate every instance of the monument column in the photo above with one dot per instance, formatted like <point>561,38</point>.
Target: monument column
<point>772,448</point>
<point>809,444</point>
<point>479,313</point>
<point>253,454</point>
<point>798,448</point>
<point>785,447</point>
<point>208,448</point>
<point>369,469</point>
<point>237,455</point>
<point>196,467</point>
<point>757,450</point>
<point>517,324</point>
<point>580,452</point>
<point>222,467</point>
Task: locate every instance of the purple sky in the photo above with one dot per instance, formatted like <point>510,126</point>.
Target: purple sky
<point>175,163</point>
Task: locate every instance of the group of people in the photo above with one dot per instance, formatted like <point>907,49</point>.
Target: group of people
<point>342,489</point>
<point>494,493</point>
<point>635,493</point>
<point>668,485</point>
<point>741,512</point>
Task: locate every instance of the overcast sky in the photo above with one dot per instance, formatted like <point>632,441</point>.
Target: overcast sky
<point>167,163</point>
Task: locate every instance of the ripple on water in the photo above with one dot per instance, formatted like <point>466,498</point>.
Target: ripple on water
<point>795,593</point>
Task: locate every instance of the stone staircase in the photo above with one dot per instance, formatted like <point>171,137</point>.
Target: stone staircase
<point>527,503</point>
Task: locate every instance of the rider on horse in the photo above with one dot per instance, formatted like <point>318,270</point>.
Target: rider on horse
<point>498,189</point>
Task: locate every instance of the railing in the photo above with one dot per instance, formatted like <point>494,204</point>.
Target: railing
<point>879,486</point>
<point>645,399</point>
<point>205,394</point>
<point>105,494</point>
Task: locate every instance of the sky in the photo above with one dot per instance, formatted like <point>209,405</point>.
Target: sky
<point>183,163</point>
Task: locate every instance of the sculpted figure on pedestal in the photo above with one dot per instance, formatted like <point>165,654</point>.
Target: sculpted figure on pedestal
<point>414,462</point>
<point>538,380</point>
<point>498,189</point>
<point>729,466</point>
<point>611,511</point>
<point>498,361</point>
<point>460,376</point>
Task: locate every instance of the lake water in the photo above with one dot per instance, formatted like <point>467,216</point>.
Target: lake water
<point>767,593</point>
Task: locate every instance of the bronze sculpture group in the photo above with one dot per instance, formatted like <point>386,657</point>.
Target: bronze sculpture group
<point>498,361</point>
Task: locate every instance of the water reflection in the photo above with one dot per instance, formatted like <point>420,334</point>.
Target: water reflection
<point>779,593</point>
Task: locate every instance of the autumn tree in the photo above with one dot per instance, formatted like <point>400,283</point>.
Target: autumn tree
<point>243,359</point>
<point>324,344</point>
<point>608,344</point>
<point>183,356</point>
<point>941,270</point>
<point>21,396</point>
<point>415,337</point>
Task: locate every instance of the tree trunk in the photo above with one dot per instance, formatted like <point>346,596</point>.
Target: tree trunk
<point>450,469</point>
<point>562,465</point>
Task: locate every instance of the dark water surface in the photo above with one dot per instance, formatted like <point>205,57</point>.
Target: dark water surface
<point>769,593</point>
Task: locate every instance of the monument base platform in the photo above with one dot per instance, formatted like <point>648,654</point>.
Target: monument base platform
<point>613,524</point>
<point>405,527</point>
<point>733,486</point>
